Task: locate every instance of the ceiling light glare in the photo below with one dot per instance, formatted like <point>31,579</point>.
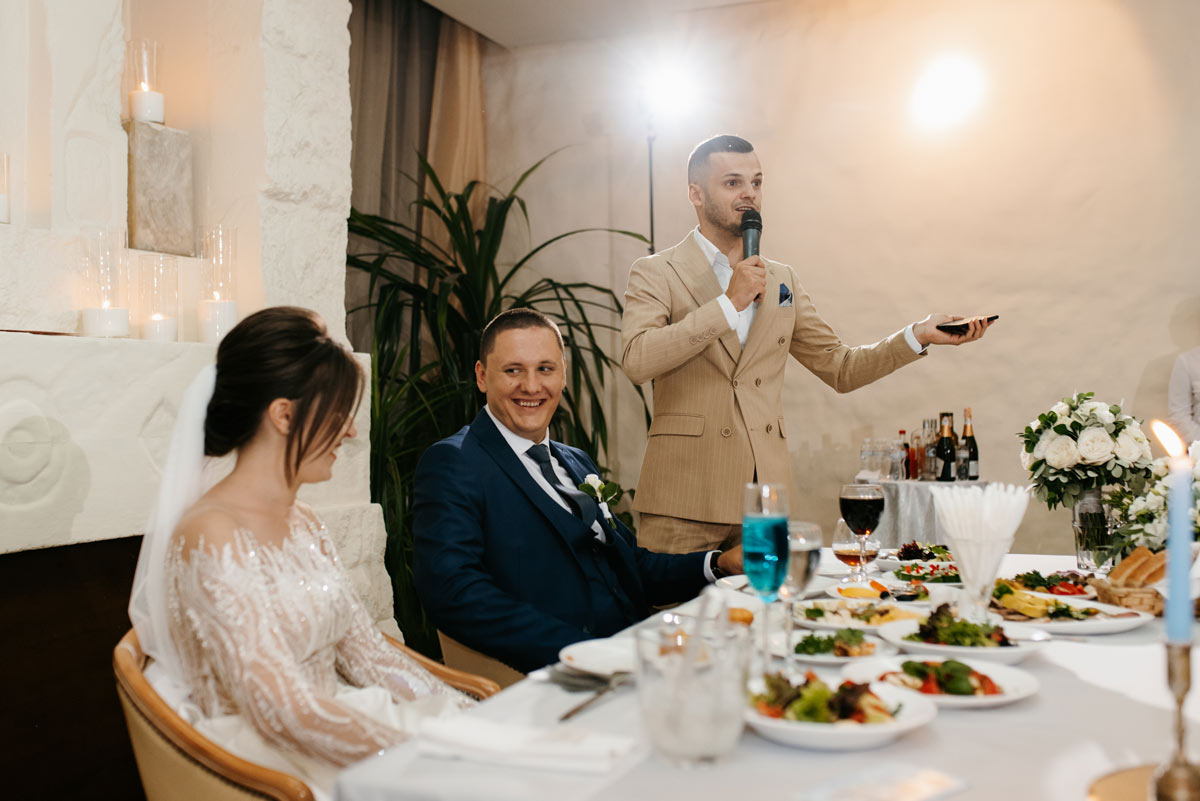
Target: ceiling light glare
<point>949,89</point>
<point>668,91</point>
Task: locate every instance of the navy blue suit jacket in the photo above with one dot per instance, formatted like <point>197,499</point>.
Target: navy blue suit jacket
<point>503,569</point>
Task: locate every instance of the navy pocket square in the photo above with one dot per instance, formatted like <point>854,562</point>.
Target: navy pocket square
<point>785,295</point>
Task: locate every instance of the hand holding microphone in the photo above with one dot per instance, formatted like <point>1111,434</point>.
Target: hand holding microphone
<point>749,279</point>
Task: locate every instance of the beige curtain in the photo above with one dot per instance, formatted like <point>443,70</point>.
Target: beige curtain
<point>393,53</point>
<point>457,128</point>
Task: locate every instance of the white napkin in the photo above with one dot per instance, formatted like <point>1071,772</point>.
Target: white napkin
<point>562,748</point>
<point>980,524</point>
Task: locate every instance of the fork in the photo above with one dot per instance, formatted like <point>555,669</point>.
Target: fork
<point>618,678</point>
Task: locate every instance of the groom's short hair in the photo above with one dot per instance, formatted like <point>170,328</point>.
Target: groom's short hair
<point>511,320</point>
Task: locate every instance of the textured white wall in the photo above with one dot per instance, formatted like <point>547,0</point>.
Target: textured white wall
<point>1063,204</point>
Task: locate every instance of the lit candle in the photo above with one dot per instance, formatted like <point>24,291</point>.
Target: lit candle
<point>106,321</point>
<point>146,105</point>
<point>160,328</point>
<point>216,318</point>
<point>1179,535</point>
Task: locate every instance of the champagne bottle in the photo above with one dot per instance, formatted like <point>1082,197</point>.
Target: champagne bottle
<point>945,453</point>
<point>953,434</point>
<point>972,446</point>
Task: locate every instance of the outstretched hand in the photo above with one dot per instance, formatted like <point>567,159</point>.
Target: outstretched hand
<point>927,332</point>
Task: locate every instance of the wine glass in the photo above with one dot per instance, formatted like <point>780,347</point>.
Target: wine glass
<point>850,551</point>
<point>765,547</point>
<point>804,554</point>
<point>861,506</point>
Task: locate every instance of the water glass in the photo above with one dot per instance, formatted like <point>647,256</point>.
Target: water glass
<point>804,555</point>
<point>691,684</point>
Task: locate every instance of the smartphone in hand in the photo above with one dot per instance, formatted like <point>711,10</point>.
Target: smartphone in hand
<point>959,328</point>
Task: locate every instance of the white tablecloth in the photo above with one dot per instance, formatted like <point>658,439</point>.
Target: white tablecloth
<point>1103,705</point>
<point>908,513</point>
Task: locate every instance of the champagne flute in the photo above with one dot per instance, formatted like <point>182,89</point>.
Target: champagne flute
<point>765,547</point>
<point>861,506</point>
<point>804,554</point>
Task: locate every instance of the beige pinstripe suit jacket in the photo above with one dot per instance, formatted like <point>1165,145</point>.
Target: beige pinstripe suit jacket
<point>718,408</point>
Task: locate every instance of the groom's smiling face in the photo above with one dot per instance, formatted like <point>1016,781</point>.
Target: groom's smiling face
<point>523,379</point>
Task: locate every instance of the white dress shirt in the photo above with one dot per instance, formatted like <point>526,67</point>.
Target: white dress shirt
<point>520,446</point>
<point>1183,396</point>
<point>741,321</point>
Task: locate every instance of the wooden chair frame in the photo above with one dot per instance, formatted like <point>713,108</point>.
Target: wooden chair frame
<point>139,699</point>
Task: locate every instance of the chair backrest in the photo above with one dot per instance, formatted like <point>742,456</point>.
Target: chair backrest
<point>460,657</point>
<point>177,762</point>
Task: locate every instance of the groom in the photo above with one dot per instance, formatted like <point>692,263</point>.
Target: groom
<point>510,558</point>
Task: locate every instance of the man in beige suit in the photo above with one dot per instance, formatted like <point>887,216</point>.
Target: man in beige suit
<point>713,332</point>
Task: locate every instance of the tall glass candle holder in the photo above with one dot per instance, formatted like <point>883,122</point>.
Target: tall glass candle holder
<point>217,312</point>
<point>145,101</point>
<point>4,190</point>
<point>104,293</point>
<point>158,297</point>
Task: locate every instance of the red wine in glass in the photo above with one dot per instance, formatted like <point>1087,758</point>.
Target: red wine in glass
<point>862,514</point>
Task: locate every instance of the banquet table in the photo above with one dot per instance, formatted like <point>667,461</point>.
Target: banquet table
<point>1103,704</point>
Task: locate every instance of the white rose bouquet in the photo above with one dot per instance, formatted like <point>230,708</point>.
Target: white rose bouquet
<point>1143,516</point>
<point>1082,444</point>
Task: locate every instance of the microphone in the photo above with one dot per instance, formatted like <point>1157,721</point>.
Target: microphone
<point>751,231</point>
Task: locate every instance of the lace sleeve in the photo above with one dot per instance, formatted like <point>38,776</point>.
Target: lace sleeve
<point>244,647</point>
<point>365,658</point>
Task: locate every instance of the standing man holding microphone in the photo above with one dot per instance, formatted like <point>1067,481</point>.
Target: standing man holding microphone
<point>711,323</point>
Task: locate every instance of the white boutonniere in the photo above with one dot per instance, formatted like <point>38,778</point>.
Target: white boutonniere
<point>602,492</point>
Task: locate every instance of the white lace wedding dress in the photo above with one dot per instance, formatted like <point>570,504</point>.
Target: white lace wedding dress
<point>281,663</point>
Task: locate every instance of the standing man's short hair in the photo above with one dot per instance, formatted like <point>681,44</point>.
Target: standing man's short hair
<point>725,143</point>
<point>513,319</point>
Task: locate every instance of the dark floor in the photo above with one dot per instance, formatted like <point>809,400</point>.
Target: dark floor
<point>62,611</point>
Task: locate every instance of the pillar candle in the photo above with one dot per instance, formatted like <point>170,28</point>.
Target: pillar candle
<point>106,322</point>
<point>159,328</point>
<point>216,318</point>
<point>1179,551</point>
<point>146,106</point>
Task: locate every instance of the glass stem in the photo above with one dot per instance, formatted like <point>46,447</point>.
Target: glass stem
<point>862,559</point>
<point>789,651</point>
<point>766,638</point>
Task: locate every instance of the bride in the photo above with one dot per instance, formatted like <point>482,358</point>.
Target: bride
<point>239,596</point>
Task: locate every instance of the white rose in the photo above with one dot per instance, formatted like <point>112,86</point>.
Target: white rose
<point>1128,449</point>
<point>1158,468</point>
<point>1099,410</point>
<point>1194,452</point>
<point>1155,502</point>
<point>1039,450</point>
<point>1062,410</point>
<point>1095,446</point>
<point>593,481</point>
<point>1156,533</point>
<point>1196,472</point>
<point>1061,454</point>
<point>1137,506</point>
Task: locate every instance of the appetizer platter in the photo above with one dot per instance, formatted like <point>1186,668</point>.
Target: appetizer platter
<point>1067,583</point>
<point>948,682</point>
<point>929,573</point>
<point>879,591</point>
<point>839,648</point>
<point>913,553</point>
<point>1066,615</point>
<point>848,717</point>
<point>833,615</point>
<point>942,634</point>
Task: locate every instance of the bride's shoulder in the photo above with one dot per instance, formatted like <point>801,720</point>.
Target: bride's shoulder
<point>207,526</point>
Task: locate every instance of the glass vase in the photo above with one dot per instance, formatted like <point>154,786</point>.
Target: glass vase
<point>1092,522</point>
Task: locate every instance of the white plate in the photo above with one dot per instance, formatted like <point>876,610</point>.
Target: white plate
<point>1104,625</point>
<point>737,583</point>
<point>602,657</point>
<point>914,713</point>
<point>1015,684</point>
<point>881,649</point>
<point>888,562</point>
<point>841,623</point>
<point>1022,645</point>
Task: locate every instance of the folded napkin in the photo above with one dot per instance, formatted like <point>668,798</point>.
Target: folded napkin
<point>980,523</point>
<point>562,748</point>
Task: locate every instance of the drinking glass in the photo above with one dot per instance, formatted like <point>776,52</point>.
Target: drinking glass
<point>861,506</point>
<point>765,547</point>
<point>852,551</point>
<point>804,554</point>
<point>691,685</point>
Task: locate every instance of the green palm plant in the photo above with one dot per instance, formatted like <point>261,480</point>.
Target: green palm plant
<point>430,306</point>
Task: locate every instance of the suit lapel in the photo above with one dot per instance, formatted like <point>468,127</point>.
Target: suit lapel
<point>689,263</point>
<point>764,319</point>
<point>568,526</point>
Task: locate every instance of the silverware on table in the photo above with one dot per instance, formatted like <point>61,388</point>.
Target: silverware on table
<point>617,679</point>
<point>574,681</point>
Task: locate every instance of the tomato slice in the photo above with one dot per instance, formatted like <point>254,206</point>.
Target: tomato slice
<point>987,685</point>
<point>930,685</point>
<point>1067,589</point>
<point>769,710</point>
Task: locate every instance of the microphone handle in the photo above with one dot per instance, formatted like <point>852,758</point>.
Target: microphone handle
<point>750,242</point>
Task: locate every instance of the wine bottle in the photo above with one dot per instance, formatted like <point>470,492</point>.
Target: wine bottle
<point>915,451</point>
<point>930,461</point>
<point>953,434</point>
<point>945,453</point>
<point>903,440</point>
<point>972,446</point>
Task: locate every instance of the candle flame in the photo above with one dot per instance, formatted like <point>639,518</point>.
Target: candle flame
<point>145,86</point>
<point>156,316</point>
<point>1170,441</point>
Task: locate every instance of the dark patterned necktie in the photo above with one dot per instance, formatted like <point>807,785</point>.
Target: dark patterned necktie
<point>582,505</point>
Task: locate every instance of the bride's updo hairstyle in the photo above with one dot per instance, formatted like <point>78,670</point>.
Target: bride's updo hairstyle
<point>281,352</point>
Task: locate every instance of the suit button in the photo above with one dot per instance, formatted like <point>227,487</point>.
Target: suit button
<point>726,431</point>
<point>770,428</point>
<point>693,340</point>
<point>782,340</point>
<point>735,383</point>
<point>587,629</point>
<point>758,382</point>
